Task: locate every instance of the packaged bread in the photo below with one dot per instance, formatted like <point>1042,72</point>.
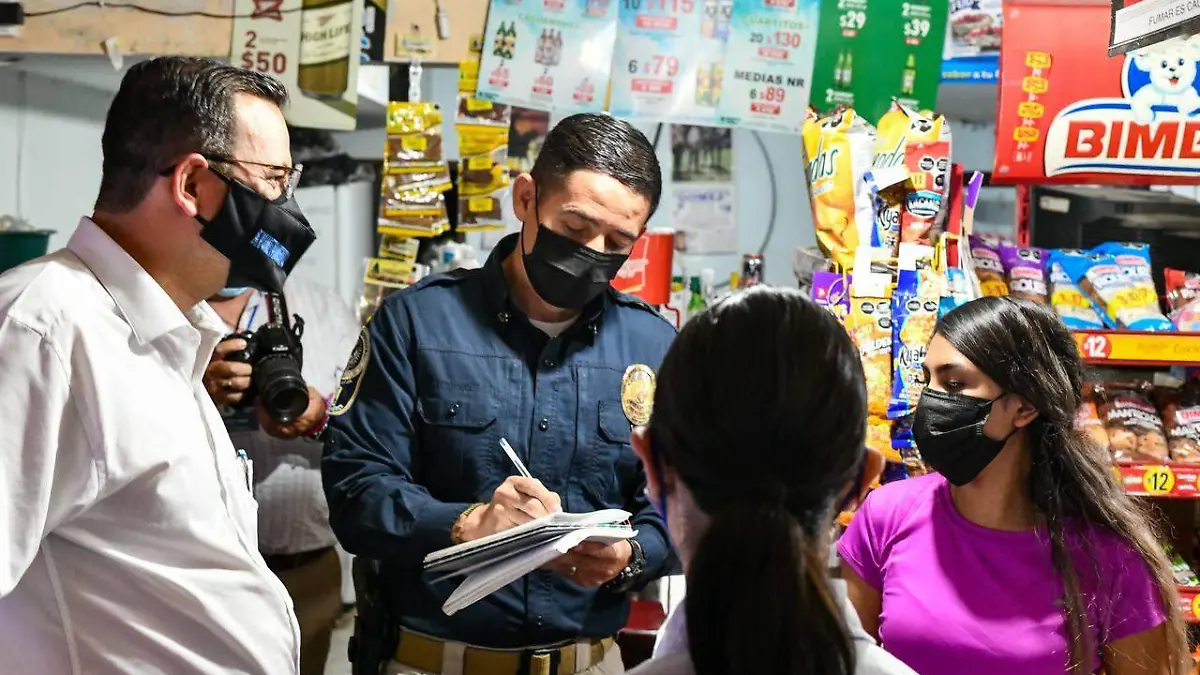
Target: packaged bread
<point>1135,430</point>
<point>1180,409</point>
<point>1183,297</point>
<point>414,134</point>
<point>1025,267</point>
<point>1076,310</point>
<point>1087,418</point>
<point>839,149</point>
<point>988,268</point>
<point>1135,303</point>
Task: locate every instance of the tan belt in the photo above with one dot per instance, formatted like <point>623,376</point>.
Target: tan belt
<point>426,653</point>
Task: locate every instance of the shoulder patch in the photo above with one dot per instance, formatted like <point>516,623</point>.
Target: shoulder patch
<point>352,376</point>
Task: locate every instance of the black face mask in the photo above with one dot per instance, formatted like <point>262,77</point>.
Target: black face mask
<point>263,238</point>
<point>567,274</point>
<point>948,429</point>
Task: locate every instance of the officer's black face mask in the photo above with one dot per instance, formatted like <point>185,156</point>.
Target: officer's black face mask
<point>565,273</point>
<point>262,238</point>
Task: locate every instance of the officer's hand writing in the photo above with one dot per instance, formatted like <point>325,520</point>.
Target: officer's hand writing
<point>518,500</point>
<point>592,564</point>
<point>301,426</point>
<point>226,381</point>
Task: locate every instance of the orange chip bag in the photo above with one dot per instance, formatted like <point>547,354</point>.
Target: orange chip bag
<point>870,324</point>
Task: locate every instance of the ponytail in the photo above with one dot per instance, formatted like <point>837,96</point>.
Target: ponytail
<point>759,601</point>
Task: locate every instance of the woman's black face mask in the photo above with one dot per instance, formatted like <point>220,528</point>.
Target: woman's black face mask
<point>262,238</point>
<point>948,429</point>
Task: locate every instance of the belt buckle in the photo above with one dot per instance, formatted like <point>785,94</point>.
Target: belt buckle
<point>540,661</point>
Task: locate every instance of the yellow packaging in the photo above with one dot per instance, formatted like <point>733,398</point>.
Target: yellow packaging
<point>413,118</point>
<point>840,149</point>
<point>870,325</point>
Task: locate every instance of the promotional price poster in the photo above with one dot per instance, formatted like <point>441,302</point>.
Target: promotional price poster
<point>1068,114</point>
<point>314,51</point>
<point>769,64</point>
<point>868,55</point>
<point>548,54</point>
<point>669,59</point>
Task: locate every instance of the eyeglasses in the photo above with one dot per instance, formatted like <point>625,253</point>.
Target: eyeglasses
<point>288,181</point>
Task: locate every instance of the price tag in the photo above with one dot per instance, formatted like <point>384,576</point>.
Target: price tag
<point>477,105</point>
<point>1038,60</point>
<point>1095,346</point>
<point>480,204</point>
<point>1034,85</point>
<point>1196,607</point>
<point>479,163</point>
<point>1158,480</point>
<point>414,142</point>
<point>1031,109</point>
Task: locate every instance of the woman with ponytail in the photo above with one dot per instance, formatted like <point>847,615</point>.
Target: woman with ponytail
<point>1022,555</point>
<point>755,441</point>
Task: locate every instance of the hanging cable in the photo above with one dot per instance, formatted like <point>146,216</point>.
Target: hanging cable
<point>774,194</point>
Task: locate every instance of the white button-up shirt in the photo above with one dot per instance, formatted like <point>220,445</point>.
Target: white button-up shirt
<point>293,516</point>
<point>127,527</point>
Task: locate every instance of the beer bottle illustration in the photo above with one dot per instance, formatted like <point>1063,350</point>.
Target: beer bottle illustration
<point>558,46</point>
<point>839,71</point>
<point>718,74</point>
<point>498,42</point>
<point>848,71</point>
<point>325,52</point>
<point>908,82</point>
<point>708,25</point>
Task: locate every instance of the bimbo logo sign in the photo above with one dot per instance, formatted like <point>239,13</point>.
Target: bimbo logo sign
<point>1153,130</point>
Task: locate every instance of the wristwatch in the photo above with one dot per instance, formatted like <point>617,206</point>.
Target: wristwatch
<point>628,577</point>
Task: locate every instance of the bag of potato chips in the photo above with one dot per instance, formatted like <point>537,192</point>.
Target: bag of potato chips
<point>870,324</point>
<point>927,157</point>
<point>913,320</point>
<point>839,149</point>
<point>889,175</point>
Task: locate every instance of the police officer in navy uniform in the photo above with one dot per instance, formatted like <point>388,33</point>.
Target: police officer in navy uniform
<point>532,348</point>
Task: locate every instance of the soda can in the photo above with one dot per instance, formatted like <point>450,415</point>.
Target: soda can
<point>752,270</point>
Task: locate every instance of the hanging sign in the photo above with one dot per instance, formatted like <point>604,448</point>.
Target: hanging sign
<point>1137,24</point>
<point>769,64</point>
<point>314,49</point>
<point>871,52</point>
<point>1069,114</point>
<point>548,54</point>
<point>972,51</point>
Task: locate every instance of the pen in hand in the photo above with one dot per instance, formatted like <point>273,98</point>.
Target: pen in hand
<point>512,456</point>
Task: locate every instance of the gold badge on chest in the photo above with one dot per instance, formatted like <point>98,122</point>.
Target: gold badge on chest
<point>637,394</point>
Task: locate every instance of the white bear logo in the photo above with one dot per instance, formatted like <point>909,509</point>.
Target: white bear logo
<point>1172,68</point>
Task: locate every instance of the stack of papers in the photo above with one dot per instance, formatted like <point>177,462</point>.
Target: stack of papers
<point>497,560</point>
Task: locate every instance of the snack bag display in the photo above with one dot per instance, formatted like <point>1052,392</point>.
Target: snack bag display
<point>1087,418</point>
<point>1075,310</point>
<point>1025,267</point>
<point>414,134</point>
<point>394,247</point>
<point>913,319</point>
<point>888,177</point>
<point>832,291</point>
<point>1183,297</point>
<point>958,291</point>
<point>1120,284</point>
<point>1181,419</point>
<point>988,267</point>
<point>1135,430</point>
<point>382,278</point>
<point>927,158</point>
<point>839,149</point>
<point>870,325</point>
<point>413,213</point>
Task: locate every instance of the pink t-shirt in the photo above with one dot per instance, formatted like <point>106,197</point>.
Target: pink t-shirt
<point>958,597</point>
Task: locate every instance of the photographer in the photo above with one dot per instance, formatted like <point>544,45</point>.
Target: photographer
<point>293,518</point>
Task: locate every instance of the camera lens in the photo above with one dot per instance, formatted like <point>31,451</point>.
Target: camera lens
<point>281,388</point>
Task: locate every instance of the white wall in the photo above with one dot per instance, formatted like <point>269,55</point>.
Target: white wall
<point>50,166</point>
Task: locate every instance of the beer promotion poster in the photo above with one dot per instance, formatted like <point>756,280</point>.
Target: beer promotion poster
<point>313,47</point>
<point>869,53</point>
<point>1070,114</point>
<point>669,60</point>
<point>556,56</point>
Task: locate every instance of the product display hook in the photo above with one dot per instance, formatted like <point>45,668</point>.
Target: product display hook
<point>414,79</point>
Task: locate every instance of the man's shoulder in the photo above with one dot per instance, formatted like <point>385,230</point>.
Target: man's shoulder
<point>641,313</point>
<point>51,294</point>
<point>436,288</point>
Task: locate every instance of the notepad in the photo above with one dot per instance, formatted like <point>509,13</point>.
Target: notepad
<point>492,562</point>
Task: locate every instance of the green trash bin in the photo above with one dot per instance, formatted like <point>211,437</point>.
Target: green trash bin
<point>18,246</point>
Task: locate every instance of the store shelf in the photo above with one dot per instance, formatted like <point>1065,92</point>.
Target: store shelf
<point>1166,481</point>
<point>1132,348</point>
<point>1189,603</point>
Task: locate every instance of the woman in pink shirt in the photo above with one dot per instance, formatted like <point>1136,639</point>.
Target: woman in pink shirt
<point>1021,555</point>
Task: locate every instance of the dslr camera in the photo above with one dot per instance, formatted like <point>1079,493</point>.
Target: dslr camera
<point>275,353</point>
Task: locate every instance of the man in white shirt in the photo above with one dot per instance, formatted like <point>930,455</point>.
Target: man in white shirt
<point>126,518</point>
<point>293,516</point>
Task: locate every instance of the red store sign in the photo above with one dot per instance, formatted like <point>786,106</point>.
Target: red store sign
<point>1068,113</point>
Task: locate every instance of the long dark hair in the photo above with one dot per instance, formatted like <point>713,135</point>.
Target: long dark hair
<point>1026,349</point>
<point>760,410</point>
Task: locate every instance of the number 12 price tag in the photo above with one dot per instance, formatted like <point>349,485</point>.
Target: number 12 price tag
<point>1158,480</point>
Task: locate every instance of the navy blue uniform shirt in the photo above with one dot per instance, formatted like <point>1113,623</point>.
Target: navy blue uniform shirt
<point>445,369</point>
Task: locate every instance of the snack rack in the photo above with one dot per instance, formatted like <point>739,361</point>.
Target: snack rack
<point>1174,487</point>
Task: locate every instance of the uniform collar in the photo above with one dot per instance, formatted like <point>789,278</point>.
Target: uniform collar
<point>500,303</point>
<point>147,308</point>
